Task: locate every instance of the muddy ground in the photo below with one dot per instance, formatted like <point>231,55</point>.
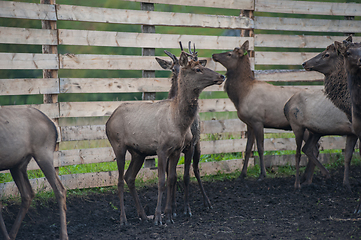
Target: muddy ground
<point>247,209</point>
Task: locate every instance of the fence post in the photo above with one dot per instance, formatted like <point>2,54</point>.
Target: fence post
<point>149,162</point>
<point>49,73</point>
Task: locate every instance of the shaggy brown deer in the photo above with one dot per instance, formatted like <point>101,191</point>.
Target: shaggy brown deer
<point>193,149</point>
<point>330,63</point>
<point>159,128</point>
<point>259,104</point>
<point>352,64</point>
<point>27,133</point>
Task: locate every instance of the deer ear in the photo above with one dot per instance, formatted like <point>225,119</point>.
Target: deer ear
<point>183,59</point>
<point>163,63</point>
<point>203,62</point>
<point>245,46</point>
<point>340,48</point>
<point>349,39</point>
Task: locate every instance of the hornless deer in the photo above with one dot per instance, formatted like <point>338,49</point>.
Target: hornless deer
<point>330,63</point>
<point>158,128</point>
<point>352,64</point>
<point>193,149</point>
<point>259,104</point>
<point>27,133</point>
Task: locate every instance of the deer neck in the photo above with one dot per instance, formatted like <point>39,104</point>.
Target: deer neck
<point>239,80</point>
<point>174,86</point>
<point>185,105</point>
<point>354,86</point>
<point>337,90</point>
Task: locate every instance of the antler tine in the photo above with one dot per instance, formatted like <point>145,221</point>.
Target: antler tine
<point>171,55</point>
<point>189,47</point>
<point>180,44</point>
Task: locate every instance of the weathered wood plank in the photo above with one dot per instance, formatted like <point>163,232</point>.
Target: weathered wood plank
<point>119,62</point>
<point>29,86</point>
<point>147,40</point>
<point>27,36</point>
<point>304,7</point>
<point>286,75</point>
<point>10,9</point>
<point>28,61</point>
<point>107,15</point>
<point>119,85</point>
<point>92,109</point>
<point>106,154</point>
<point>297,41</point>
<point>309,25</point>
<point>231,4</point>
<point>282,58</point>
<point>51,109</point>
<point>96,132</point>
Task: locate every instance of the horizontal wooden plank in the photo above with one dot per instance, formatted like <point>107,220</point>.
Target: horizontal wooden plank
<point>92,109</point>
<point>106,154</point>
<point>119,85</point>
<point>29,86</point>
<point>231,4</point>
<point>147,40</point>
<point>107,15</point>
<point>28,36</point>
<point>96,132</point>
<point>306,7</point>
<point>309,25</point>
<point>119,62</point>
<point>10,9</point>
<point>287,75</point>
<point>282,58</point>
<point>28,61</point>
<point>297,41</point>
<point>49,109</point>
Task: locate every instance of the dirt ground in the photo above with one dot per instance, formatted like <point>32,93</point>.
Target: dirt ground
<point>249,209</point>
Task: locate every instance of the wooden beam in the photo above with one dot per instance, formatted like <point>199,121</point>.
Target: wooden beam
<point>297,41</point>
<point>309,25</point>
<point>29,86</point>
<point>12,35</point>
<point>282,58</point>
<point>147,40</point>
<point>107,15</point>
<point>231,4</point>
<point>28,61</point>
<point>10,9</point>
<point>304,7</point>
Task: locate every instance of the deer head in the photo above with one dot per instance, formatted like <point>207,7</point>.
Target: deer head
<point>352,55</point>
<point>230,59</point>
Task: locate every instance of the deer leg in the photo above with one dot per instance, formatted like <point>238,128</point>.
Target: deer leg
<point>350,146</point>
<point>133,169</point>
<point>299,139</point>
<point>308,149</point>
<point>259,133</point>
<point>162,164</point>
<point>45,162</point>
<point>120,157</point>
<point>196,158</point>
<point>188,155</point>
<point>171,182</point>
<point>2,225</point>
<point>310,167</point>
<point>249,145</point>
<point>27,194</point>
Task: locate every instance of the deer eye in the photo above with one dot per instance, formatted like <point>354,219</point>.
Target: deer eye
<point>198,70</point>
<point>229,54</point>
<point>327,55</point>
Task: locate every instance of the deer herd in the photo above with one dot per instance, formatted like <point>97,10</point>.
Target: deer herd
<point>169,127</point>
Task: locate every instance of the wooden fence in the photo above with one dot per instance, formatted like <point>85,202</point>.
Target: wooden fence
<point>277,35</point>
